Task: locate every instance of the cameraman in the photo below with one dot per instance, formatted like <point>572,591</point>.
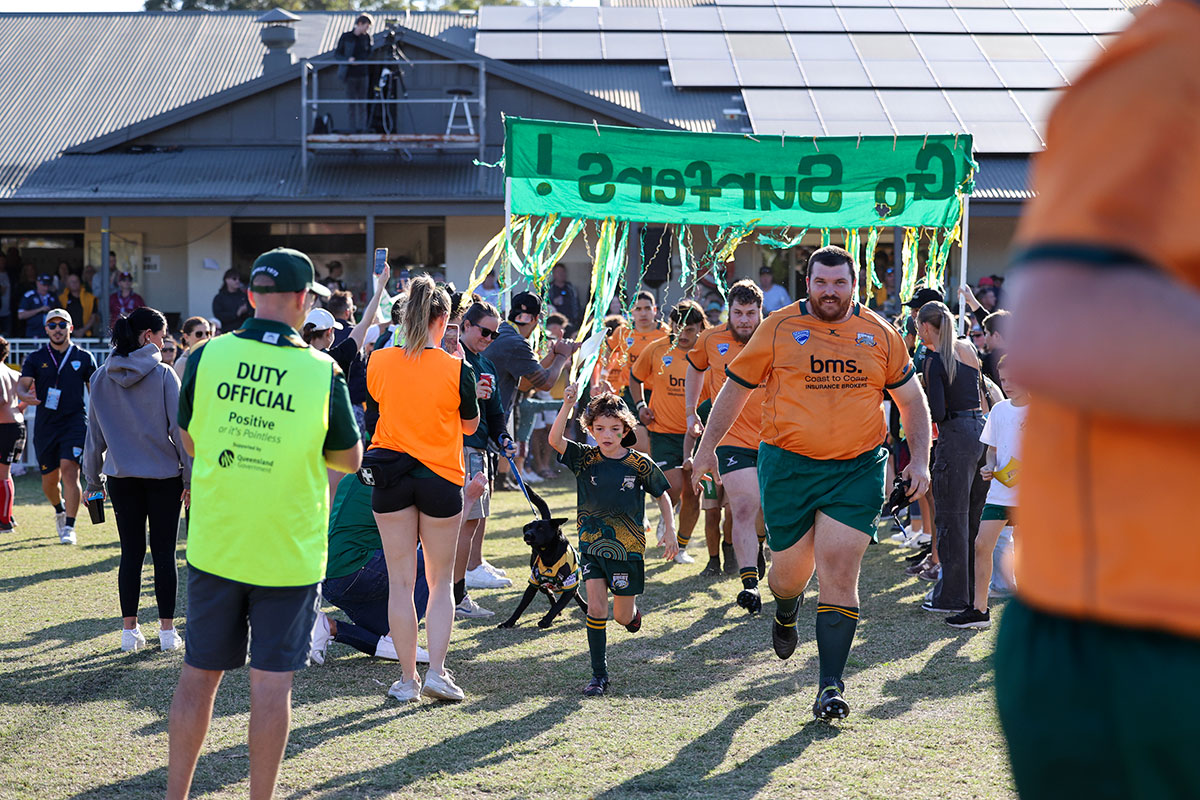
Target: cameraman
<point>355,46</point>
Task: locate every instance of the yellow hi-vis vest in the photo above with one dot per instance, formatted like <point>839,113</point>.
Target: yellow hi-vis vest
<point>260,493</point>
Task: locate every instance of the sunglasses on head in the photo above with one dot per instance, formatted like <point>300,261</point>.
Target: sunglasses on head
<point>50,326</point>
<point>486,333</point>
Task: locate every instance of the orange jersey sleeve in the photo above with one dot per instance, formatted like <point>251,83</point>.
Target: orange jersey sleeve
<point>662,369</point>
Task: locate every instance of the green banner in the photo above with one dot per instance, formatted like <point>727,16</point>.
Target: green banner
<point>637,174</point>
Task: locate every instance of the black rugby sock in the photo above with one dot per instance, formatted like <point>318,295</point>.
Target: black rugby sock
<point>58,508</point>
<point>786,608</point>
<point>749,577</point>
<point>835,634</point>
<point>597,644</point>
<point>460,591</point>
<point>70,522</point>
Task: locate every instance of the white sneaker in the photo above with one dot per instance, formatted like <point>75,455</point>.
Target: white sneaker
<point>132,640</point>
<point>480,578</point>
<point>682,557</point>
<point>321,637</point>
<point>920,540</point>
<point>60,523</point>
<point>387,649</point>
<point>67,536</point>
<point>532,478</point>
<point>469,609</point>
<point>490,567</point>
<point>169,639</point>
<point>409,692</point>
<point>442,687</point>
<point>901,536</point>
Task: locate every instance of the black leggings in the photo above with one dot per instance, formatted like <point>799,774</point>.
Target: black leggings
<point>134,500</point>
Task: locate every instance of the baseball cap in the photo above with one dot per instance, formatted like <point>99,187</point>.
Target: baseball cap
<point>525,303</point>
<point>763,270</point>
<point>925,295</point>
<point>124,276</point>
<point>322,320</point>
<point>58,313</point>
<point>46,279</point>
<point>291,270</point>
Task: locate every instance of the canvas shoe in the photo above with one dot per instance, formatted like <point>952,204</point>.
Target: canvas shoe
<point>67,536</point>
<point>132,640</point>
<point>406,692</point>
<point>441,687</point>
<point>929,606</point>
<point>387,649</point>
<point>469,609</point>
<point>490,567</point>
<point>320,638</point>
<point>480,578</point>
<point>169,639</point>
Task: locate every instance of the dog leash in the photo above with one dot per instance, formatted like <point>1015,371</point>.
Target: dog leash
<point>521,483</point>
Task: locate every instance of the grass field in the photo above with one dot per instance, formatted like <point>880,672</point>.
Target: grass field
<point>700,706</point>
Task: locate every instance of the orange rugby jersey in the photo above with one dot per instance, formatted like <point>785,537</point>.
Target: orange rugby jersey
<point>419,404</point>
<point>715,348</point>
<point>662,368</point>
<point>1105,502</point>
<point>823,381</point>
<point>625,345</point>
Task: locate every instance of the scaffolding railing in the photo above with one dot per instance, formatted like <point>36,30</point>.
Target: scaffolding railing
<point>389,95</point>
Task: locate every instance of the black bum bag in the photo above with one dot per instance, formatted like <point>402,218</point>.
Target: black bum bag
<point>383,469</point>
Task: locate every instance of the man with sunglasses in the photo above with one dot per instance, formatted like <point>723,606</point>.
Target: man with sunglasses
<point>516,364</point>
<point>53,380</point>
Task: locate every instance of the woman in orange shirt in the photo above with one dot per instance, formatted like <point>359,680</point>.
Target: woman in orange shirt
<point>427,403</point>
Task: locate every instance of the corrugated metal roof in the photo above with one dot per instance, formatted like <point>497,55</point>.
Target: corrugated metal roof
<point>1002,178</point>
<point>250,174</point>
<point>646,88</point>
<point>98,73</point>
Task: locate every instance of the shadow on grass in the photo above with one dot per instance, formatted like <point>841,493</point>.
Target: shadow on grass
<point>16,582</point>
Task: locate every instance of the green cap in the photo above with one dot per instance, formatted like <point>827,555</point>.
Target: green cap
<point>291,270</point>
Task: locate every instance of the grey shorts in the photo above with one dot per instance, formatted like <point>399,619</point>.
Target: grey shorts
<point>476,461</point>
<point>222,613</point>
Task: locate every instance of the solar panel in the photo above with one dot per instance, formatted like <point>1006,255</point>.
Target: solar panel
<point>1010,48</point>
<point>834,73</point>
<point>948,47</point>
<point>697,45</point>
<point>984,106</point>
<point>932,20</point>
<point>785,3</point>
<point>927,127</point>
<point>871,19</point>
<point>565,18</point>
<point>866,127</point>
<point>858,106</point>
<point>518,18</point>
<point>760,46</point>
<point>907,105</point>
<point>751,19</point>
<point>823,46</point>
<point>770,73</point>
<point>1096,21</point>
<point>1005,137</point>
<point>1069,48</point>
<point>788,127</point>
<point>1028,74</point>
<point>687,72</point>
<point>691,19</point>
<point>1037,105</point>
<point>510,46</point>
<point>965,75</point>
<point>1044,20</point>
<point>921,4</point>
<point>811,19</point>
<point>885,45</point>
<point>794,104</point>
<point>991,20</point>
<point>1051,4</point>
<point>556,46</point>
<point>631,46</point>
<point>626,19</point>
<point>900,73</point>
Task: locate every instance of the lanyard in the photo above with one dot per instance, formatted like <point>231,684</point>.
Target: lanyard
<point>57,363</point>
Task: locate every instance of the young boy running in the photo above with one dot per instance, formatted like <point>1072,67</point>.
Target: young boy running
<point>1002,466</point>
<point>612,482</point>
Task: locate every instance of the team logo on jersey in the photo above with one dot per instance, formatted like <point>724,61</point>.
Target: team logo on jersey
<point>628,482</point>
<point>801,337</point>
<point>78,451</point>
<point>620,580</point>
<point>723,348</point>
<point>75,366</point>
<point>629,341</point>
<point>667,360</point>
<point>865,338</point>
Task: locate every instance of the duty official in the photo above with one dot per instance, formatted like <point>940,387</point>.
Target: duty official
<point>263,415</point>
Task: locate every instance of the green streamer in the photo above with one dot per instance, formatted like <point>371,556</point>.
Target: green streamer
<point>825,237</point>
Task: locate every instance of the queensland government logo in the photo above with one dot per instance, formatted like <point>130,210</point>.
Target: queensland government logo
<point>801,337</point>
<point>226,458</point>
<point>723,348</point>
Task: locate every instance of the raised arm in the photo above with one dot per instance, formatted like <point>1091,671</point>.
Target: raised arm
<point>359,334</point>
<point>557,440</point>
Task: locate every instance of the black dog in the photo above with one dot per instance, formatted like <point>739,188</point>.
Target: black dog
<point>553,566</point>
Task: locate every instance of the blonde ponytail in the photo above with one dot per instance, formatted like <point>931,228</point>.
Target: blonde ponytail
<point>426,302</point>
<point>938,315</point>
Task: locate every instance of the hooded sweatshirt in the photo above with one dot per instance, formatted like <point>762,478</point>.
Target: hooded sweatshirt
<point>132,427</point>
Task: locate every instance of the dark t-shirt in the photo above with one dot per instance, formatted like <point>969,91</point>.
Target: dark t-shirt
<point>353,533</point>
<point>514,359</point>
<point>491,418</point>
<point>612,499</point>
<point>68,372</point>
<point>356,47</point>
<point>944,396</point>
<point>35,326</point>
